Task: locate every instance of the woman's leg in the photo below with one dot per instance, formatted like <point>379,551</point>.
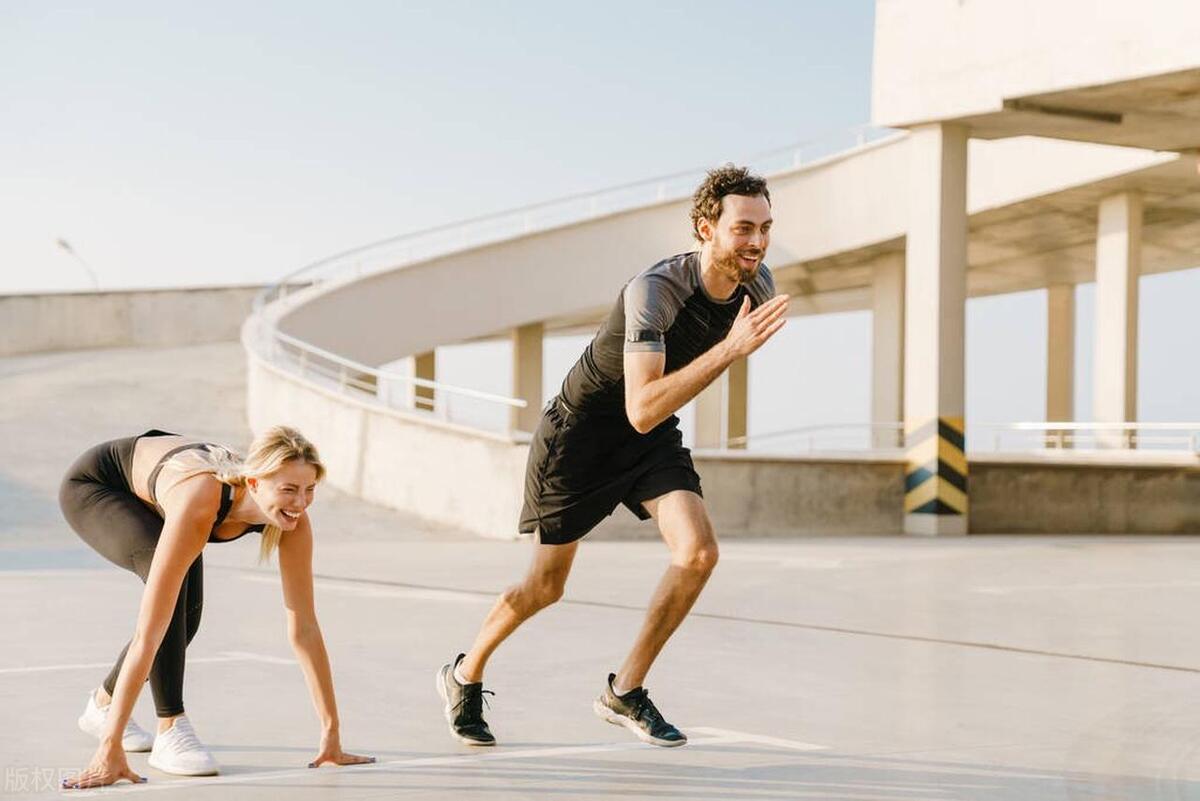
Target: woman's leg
<point>166,674</point>
<point>107,516</point>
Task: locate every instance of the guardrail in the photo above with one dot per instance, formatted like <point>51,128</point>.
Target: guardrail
<point>825,437</point>
<point>998,437</point>
<point>442,240</point>
<point>1171,437</point>
<point>347,376</point>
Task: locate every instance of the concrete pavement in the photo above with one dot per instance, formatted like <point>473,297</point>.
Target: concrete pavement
<point>853,668</point>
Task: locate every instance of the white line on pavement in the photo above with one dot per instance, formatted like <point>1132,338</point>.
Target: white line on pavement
<point>720,737</point>
<point>224,656</point>
<point>1102,586</point>
<point>761,739</point>
<point>376,591</point>
<point>64,573</point>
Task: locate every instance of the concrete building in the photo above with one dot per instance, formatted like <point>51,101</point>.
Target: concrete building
<point>1025,155</point>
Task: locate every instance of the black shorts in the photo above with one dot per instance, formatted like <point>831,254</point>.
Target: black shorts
<point>581,468</point>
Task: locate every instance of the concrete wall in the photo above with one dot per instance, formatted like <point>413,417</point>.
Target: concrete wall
<point>1084,495</point>
<point>750,495</point>
<point>154,317</point>
<point>941,59</point>
<point>473,480</point>
<point>442,472</point>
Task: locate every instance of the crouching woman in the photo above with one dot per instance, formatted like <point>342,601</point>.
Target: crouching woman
<point>151,504</point>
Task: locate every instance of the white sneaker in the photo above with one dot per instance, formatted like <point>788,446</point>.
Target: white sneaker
<point>94,719</point>
<point>178,750</point>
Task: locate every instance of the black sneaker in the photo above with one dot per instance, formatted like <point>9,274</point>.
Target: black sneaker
<point>635,711</point>
<point>464,707</point>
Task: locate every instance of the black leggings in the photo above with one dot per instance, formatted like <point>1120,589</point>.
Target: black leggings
<point>97,501</point>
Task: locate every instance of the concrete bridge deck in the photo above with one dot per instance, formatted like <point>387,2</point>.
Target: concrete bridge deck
<point>983,668</point>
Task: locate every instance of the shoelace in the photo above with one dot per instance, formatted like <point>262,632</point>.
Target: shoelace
<point>472,703</point>
<point>644,706</point>
<point>185,738</point>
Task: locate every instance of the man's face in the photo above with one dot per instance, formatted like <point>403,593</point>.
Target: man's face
<point>739,238</point>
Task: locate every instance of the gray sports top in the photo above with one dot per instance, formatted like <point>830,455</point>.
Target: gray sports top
<point>665,308</point>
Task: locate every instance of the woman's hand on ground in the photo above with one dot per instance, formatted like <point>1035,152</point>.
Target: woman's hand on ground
<point>108,766</point>
<point>332,754</point>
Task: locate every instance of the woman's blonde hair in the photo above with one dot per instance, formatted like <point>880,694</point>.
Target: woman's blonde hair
<point>268,452</point>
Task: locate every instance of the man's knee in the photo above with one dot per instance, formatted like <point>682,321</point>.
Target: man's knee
<point>543,590</point>
<point>690,536</point>
<point>698,558</point>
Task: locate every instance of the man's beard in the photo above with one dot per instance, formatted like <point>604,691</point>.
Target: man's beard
<point>728,264</point>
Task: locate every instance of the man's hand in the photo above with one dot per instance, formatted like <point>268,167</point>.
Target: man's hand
<point>752,328</point>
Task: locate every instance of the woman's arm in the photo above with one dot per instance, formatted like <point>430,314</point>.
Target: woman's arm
<point>190,510</point>
<point>295,570</point>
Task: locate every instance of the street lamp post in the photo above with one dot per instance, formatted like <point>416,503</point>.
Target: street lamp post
<point>65,245</point>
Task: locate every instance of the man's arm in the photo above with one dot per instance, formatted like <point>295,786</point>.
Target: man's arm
<point>651,397</point>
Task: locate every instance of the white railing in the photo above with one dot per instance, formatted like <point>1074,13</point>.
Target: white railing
<point>1009,437</point>
<point>346,376</point>
<point>398,251</point>
<point>983,437</point>
<point>826,437</point>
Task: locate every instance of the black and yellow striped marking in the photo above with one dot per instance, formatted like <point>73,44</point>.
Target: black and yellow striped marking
<point>935,481</point>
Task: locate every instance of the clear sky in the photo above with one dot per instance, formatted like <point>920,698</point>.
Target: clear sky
<point>209,143</point>
<point>195,143</point>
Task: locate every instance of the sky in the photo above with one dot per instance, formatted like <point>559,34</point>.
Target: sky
<point>203,143</point>
<point>177,144</point>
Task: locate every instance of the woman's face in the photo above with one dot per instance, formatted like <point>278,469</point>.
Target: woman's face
<point>285,494</point>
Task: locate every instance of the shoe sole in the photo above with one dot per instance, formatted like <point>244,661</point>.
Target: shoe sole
<point>182,771</point>
<point>608,716</point>
<point>83,728</point>
<point>440,681</point>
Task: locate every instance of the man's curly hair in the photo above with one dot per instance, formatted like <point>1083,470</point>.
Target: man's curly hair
<point>724,180</point>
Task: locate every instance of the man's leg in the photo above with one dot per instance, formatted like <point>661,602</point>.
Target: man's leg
<point>460,683</point>
<point>684,524</point>
<point>541,587</point>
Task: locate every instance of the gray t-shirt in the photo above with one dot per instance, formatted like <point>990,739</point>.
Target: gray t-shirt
<point>666,309</point>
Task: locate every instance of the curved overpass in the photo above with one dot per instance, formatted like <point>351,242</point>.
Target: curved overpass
<point>833,220</point>
<point>1032,224</point>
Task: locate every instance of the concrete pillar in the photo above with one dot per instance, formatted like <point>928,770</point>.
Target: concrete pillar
<point>737,381</point>
<point>934,330</point>
<point>710,415</point>
<point>402,393</point>
<point>424,367</point>
<point>1118,265</point>
<point>887,349</point>
<point>721,409</point>
<point>1060,359</point>
<point>527,375</point>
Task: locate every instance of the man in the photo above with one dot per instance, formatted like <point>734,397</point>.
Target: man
<point>611,437</point>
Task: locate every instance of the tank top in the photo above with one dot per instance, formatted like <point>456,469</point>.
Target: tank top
<point>226,491</point>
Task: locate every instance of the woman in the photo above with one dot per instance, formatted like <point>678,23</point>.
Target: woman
<point>150,504</point>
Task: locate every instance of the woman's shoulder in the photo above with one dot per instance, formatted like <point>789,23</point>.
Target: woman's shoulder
<point>197,495</point>
<point>186,478</point>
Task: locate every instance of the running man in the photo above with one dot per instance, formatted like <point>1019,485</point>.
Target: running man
<point>611,437</point>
